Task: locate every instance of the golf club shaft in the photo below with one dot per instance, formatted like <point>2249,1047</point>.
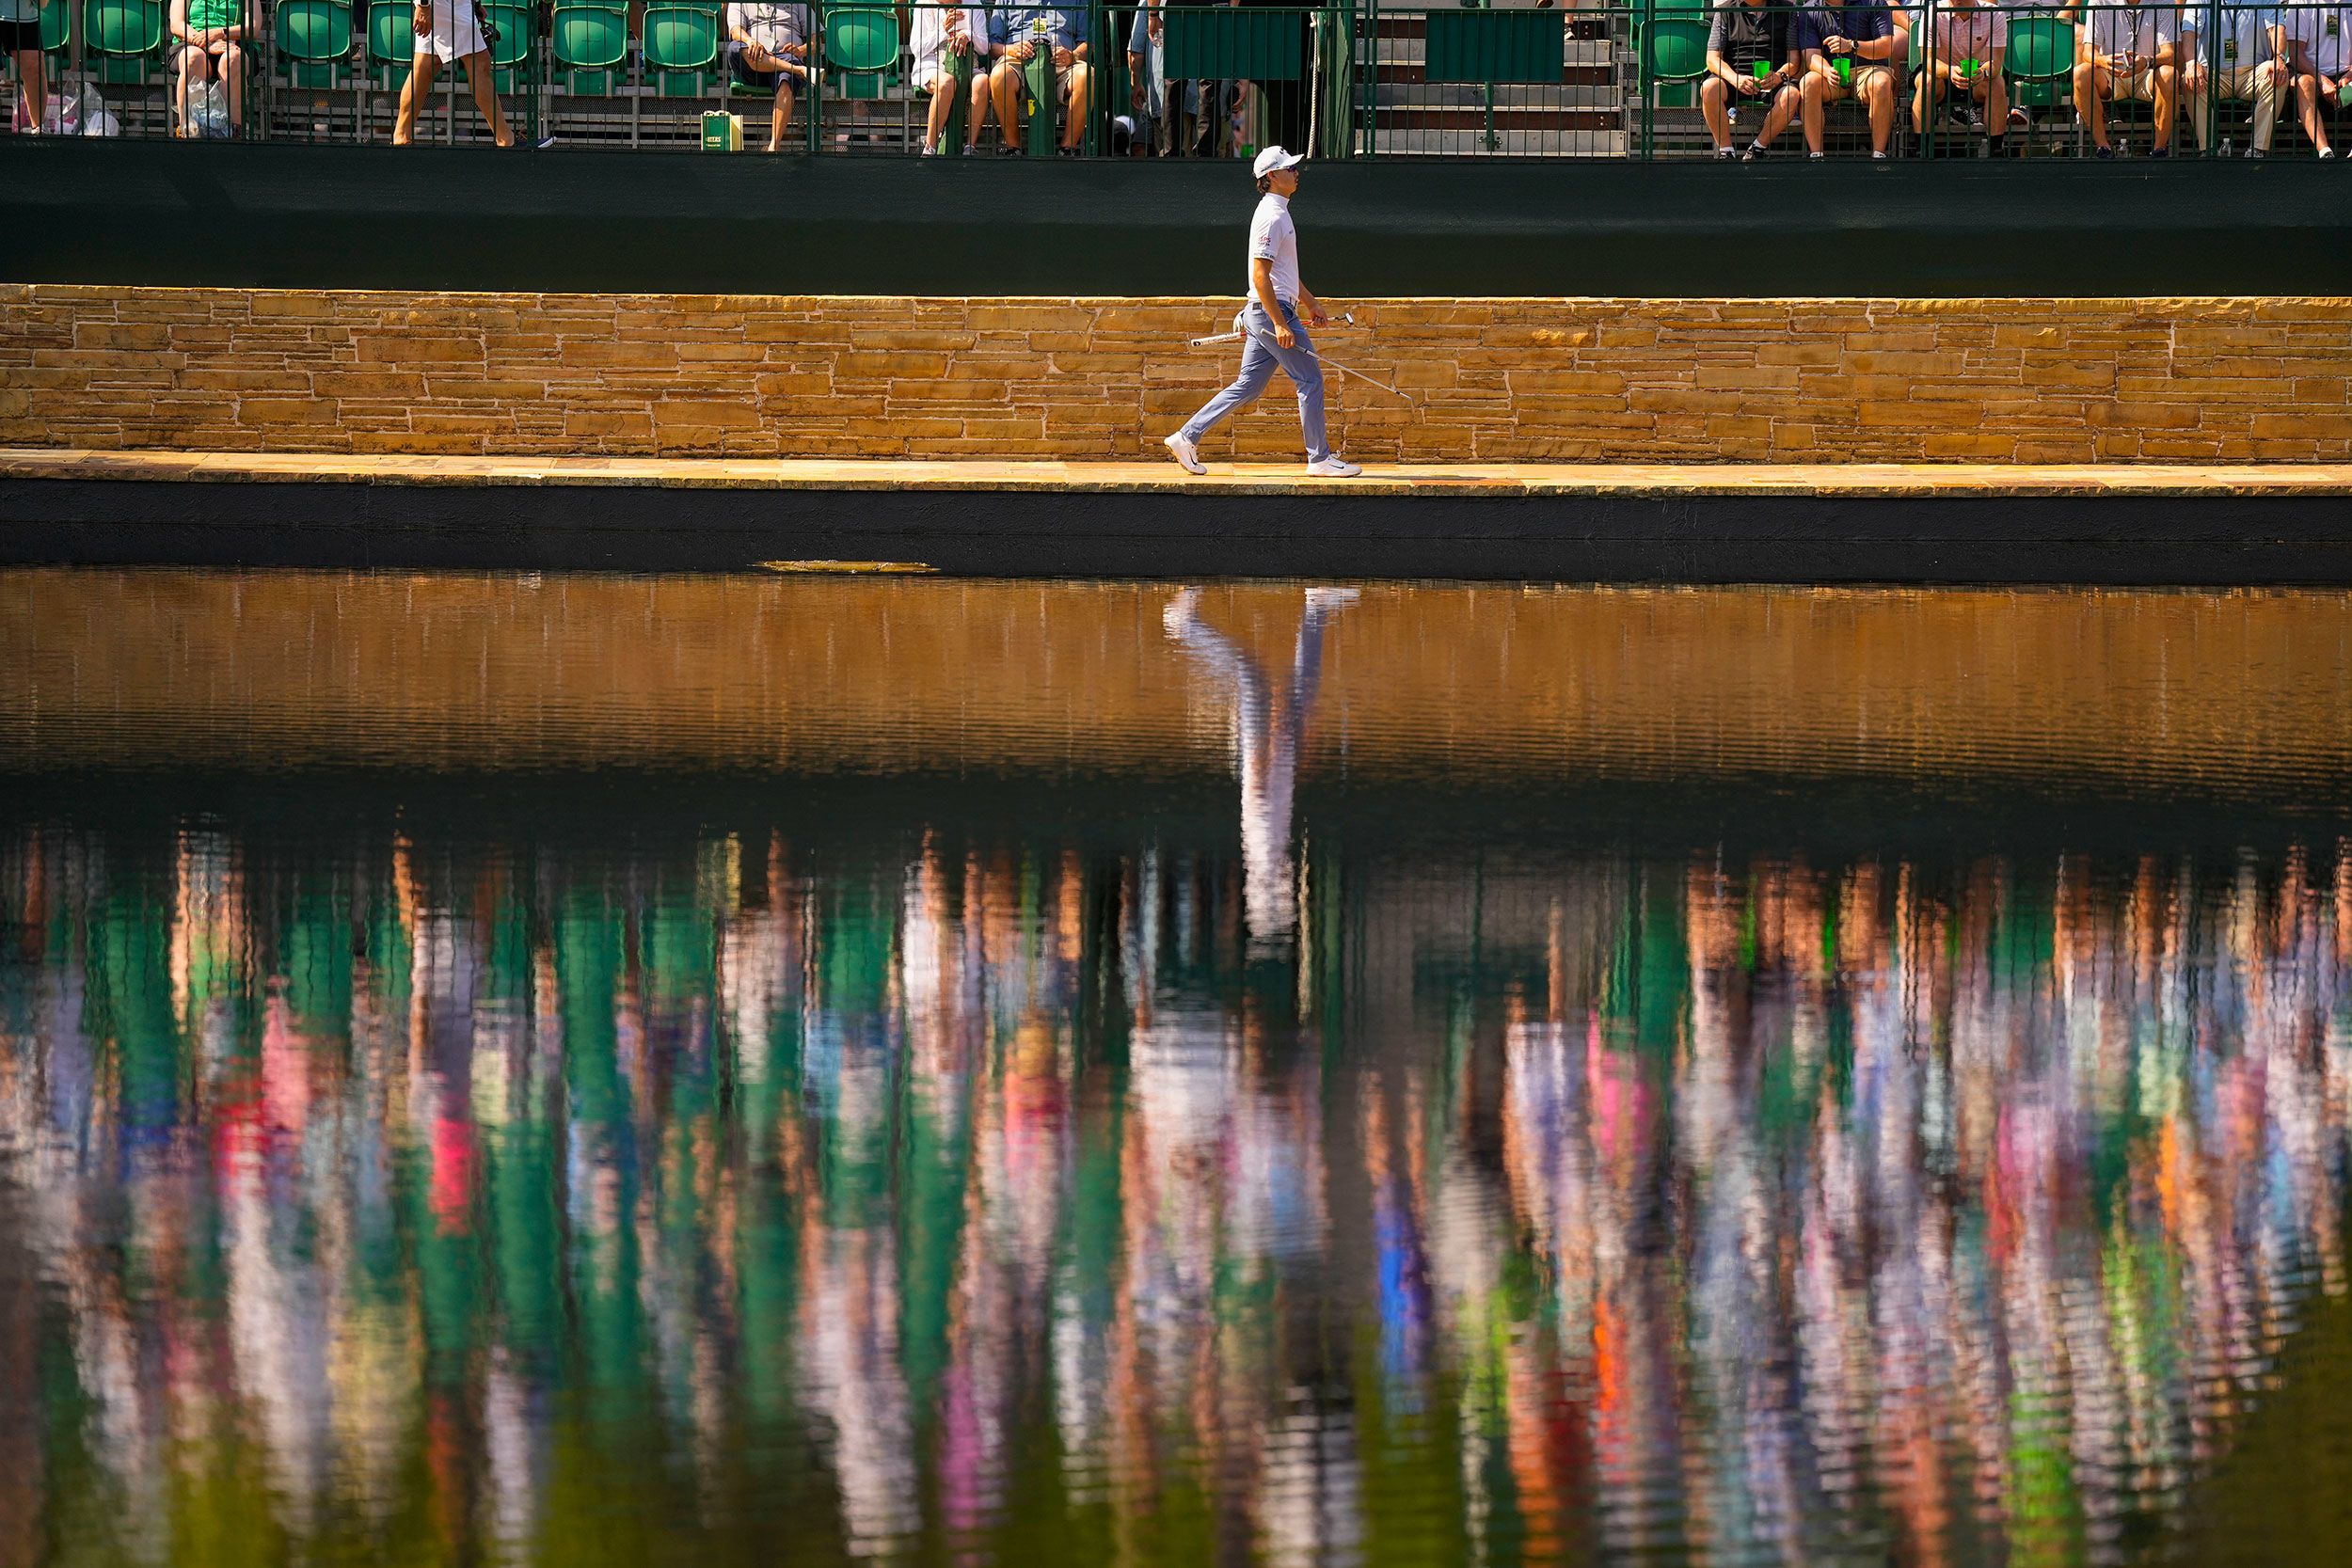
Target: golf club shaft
<point>1348,317</point>
<point>1232,337</point>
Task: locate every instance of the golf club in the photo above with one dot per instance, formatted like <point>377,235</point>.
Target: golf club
<point>1237,334</point>
<point>1348,317</point>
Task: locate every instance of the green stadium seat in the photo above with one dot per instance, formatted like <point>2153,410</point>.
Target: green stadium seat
<point>861,49</point>
<point>517,46</point>
<point>589,37</point>
<point>122,41</point>
<point>391,43</point>
<point>1673,49</point>
<point>682,49</point>
<point>589,44</point>
<point>314,39</point>
<point>57,25</point>
<point>2040,64</point>
<point>682,37</point>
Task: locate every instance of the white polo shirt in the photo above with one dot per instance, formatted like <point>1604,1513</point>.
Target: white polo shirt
<point>1272,238</point>
<point>2244,36</point>
<point>2325,33</point>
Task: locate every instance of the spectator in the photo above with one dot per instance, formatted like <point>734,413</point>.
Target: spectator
<point>450,30</point>
<point>1750,53</point>
<point>2320,72</point>
<point>768,45</point>
<point>1848,52</point>
<point>1063,34</point>
<point>2124,53</point>
<point>1967,52</point>
<point>942,34</point>
<point>2255,55</point>
<point>209,39</point>
<point>20,37</point>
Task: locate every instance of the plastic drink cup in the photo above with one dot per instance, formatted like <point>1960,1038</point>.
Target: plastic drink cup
<point>1845,71</point>
<point>1763,68</point>
<point>1968,71</point>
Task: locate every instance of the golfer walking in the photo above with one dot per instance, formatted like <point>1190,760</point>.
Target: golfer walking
<point>1270,322</point>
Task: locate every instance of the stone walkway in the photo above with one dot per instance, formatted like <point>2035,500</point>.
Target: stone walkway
<point>1892,479</point>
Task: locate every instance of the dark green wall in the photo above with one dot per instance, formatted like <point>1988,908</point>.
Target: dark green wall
<point>282,215</point>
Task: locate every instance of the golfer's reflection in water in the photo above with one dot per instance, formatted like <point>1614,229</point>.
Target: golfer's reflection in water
<point>1268,734</point>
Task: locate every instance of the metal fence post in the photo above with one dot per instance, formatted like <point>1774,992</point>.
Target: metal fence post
<point>1923,90</point>
<point>1370,80</point>
<point>2210,70</point>
<point>1643,45</point>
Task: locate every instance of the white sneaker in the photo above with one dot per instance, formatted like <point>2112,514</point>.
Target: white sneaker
<point>1185,453</point>
<point>1332,468</point>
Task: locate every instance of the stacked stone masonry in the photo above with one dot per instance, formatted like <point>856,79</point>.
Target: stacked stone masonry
<point>1570,380</point>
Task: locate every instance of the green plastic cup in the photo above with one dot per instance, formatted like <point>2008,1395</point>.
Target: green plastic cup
<point>1763,68</point>
<point>1845,71</point>
<point>1968,71</point>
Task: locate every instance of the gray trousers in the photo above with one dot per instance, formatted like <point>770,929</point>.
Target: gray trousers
<point>1259,359</point>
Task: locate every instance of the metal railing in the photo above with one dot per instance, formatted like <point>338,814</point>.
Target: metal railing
<point>1346,79</point>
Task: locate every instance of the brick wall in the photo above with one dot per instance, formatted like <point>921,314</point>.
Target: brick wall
<point>1822,380</point>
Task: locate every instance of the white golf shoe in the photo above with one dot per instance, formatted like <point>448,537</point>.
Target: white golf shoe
<point>1185,453</point>
<point>1334,466</point>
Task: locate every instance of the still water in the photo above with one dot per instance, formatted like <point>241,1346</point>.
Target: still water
<point>589,1070</point>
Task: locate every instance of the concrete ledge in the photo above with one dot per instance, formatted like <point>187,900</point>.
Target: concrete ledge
<point>2123,524</point>
<point>1498,480</point>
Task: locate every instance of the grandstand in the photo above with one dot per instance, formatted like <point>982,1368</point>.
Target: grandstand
<point>1352,81</point>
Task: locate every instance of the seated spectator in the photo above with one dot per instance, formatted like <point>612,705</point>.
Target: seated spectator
<point>1966,55</point>
<point>2320,68</point>
<point>941,35</point>
<point>2124,53</point>
<point>1061,33</point>
<point>20,37</point>
<point>209,41</point>
<point>2254,63</point>
<point>1750,53</point>
<point>449,30</point>
<point>768,46</point>
<point>1848,52</point>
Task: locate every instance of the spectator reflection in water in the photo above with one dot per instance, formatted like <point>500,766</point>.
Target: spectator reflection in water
<point>1267,738</point>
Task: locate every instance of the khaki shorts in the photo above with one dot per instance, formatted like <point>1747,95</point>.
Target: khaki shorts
<point>2139,87</point>
<point>1064,76</point>
<point>1862,73</point>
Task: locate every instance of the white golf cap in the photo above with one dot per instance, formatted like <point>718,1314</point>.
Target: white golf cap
<point>1274,158</point>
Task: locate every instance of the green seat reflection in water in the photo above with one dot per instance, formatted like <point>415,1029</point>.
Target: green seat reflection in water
<point>1063,1074</point>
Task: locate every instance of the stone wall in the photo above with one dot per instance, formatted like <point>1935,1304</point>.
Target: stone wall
<point>1811,380</point>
